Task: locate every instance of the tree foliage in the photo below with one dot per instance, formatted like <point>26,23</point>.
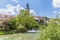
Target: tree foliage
<point>25,19</point>
<point>13,24</point>
<point>52,32</point>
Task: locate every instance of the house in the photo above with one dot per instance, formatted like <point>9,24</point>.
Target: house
<point>38,19</point>
<point>4,18</point>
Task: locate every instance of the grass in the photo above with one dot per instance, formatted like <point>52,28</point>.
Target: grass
<point>5,32</point>
<point>20,36</point>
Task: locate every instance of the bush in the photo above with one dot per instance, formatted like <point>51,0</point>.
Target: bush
<point>52,32</point>
<point>5,32</point>
<point>12,24</point>
<point>21,29</point>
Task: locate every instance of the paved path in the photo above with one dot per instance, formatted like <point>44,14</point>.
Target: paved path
<point>20,36</point>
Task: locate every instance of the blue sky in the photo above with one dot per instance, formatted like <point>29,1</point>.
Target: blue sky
<point>47,8</point>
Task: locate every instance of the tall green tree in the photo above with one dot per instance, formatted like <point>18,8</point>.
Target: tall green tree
<point>26,19</point>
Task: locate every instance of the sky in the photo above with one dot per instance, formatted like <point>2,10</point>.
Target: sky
<point>48,8</point>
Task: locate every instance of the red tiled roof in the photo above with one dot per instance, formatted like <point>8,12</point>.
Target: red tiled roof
<point>38,18</point>
<point>6,17</point>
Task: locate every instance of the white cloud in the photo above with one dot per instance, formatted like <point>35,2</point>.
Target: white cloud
<point>18,8</point>
<point>57,13</point>
<point>56,3</point>
<point>11,10</point>
<point>10,7</point>
<point>32,12</point>
<point>16,1</point>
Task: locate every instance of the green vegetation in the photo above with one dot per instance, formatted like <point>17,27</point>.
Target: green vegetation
<point>6,32</point>
<point>21,29</point>
<point>25,20</point>
<point>52,31</point>
<point>22,23</point>
<point>12,24</point>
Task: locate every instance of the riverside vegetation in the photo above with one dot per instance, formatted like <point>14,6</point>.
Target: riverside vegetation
<point>52,31</point>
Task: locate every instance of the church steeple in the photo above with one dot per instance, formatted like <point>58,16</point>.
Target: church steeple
<point>27,6</point>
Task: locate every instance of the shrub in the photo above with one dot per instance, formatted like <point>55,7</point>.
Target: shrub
<point>5,32</point>
<point>52,32</point>
<point>21,29</point>
<point>12,24</point>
